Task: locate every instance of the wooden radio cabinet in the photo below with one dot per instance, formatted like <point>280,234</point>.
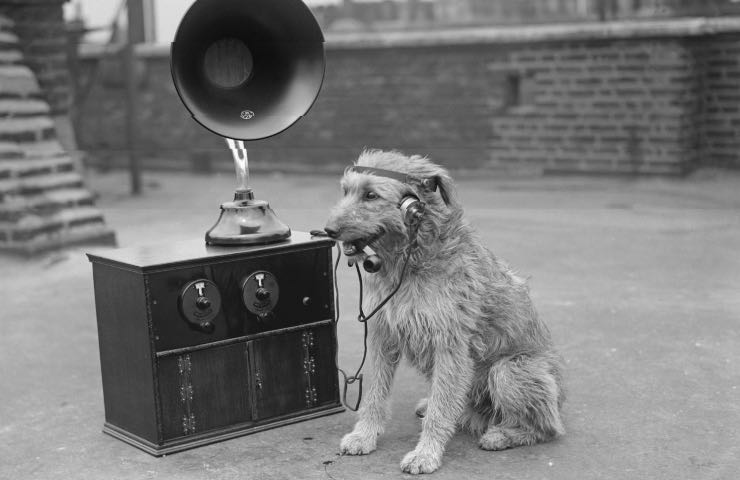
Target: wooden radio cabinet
<point>203,343</point>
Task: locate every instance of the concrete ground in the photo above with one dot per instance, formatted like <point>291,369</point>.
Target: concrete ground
<point>639,281</point>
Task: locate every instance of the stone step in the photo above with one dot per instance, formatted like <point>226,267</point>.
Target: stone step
<point>45,149</point>
<point>9,57</point>
<point>43,201</point>
<point>29,167</point>
<point>5,23</point>
<point>14,107</point>
<point>27,129</point>
<point>7,39</point>
<point>32,222</point>
<point>90,234</point>
<point>38,184</point>
<point>33,232</point>
<point>18,81</point>
<point>49,203</point>
<point>10,150</point>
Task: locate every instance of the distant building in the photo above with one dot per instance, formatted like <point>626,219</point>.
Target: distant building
<point>361,15</point>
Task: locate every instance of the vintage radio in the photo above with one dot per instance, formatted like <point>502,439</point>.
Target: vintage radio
<point>203,341</point>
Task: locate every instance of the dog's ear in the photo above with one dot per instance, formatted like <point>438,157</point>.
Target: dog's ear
<point>447,189</point>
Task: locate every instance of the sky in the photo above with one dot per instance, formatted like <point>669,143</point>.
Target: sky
<point>167,13</point>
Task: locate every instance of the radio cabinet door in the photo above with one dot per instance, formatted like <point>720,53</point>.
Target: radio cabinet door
<point>204,390</point>
<point>293,371</point>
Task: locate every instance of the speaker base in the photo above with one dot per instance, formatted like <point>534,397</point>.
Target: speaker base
<point>247,221</point>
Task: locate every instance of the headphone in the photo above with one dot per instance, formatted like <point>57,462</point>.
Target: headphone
<point>412,209</point>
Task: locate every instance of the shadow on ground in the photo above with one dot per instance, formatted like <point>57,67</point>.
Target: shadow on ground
<point>639,281</point>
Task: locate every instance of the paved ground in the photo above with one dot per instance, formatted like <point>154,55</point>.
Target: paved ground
<point>638,280</point>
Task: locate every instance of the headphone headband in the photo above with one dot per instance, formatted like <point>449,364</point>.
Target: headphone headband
<point>429,183</point>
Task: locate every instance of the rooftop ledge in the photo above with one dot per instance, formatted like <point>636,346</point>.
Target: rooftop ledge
<point>563,32</point>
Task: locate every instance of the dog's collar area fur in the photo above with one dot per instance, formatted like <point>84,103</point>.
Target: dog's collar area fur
<point>429,183</point>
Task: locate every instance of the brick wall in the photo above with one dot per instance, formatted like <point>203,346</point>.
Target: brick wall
<point>608,106</point>
<point>719,58</point>
<point>622,97</point>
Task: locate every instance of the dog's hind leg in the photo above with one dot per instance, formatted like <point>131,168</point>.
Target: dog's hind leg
<point>526,394</point>
<point>450,384</point>
<point>384,358</point>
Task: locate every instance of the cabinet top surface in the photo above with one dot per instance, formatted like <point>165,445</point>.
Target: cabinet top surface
<point>144,257</point>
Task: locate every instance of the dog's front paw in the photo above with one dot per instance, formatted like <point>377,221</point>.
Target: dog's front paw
<point>357,444</point>
<point>494,439</point>
<point>420,461</point>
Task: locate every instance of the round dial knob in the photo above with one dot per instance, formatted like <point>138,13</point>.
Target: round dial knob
<point>260,293</point>
<point>203,303</point>
<point>199,303</point>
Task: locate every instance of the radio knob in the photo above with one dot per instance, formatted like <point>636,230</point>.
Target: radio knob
<point>262,294</point>
<point>203,303</point>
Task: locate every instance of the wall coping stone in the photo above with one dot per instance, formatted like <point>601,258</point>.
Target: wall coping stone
<point>559,32</point>
<point>26,3</point>
<point>515,34</point>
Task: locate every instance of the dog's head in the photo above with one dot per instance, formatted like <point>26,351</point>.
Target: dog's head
<point>369,210</point>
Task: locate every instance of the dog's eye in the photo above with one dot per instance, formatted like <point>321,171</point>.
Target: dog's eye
<point>371,195</point>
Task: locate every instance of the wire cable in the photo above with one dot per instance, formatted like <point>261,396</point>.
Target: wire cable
<point>361,317</point>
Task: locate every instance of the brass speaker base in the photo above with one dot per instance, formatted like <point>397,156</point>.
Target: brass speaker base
<point>247,221</point>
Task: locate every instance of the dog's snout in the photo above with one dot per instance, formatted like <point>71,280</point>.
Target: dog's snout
<point>332,231</point>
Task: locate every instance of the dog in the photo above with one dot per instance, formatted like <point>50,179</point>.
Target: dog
<point>461,316</point>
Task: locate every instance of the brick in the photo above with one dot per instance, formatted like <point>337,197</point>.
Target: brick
<point>604,105</point>
<point>569,69</point>
<point>728,63</point>
<point>600,69</point>
<point>631,68</point>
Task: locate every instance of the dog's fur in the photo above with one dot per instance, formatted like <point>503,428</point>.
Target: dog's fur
<point>462,317</point>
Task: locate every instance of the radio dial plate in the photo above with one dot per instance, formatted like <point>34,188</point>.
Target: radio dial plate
<point>200,302</point>
<point>260,293</point>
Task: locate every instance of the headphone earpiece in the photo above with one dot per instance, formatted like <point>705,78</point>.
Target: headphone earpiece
<point>412,210</point>
<point>372,263</point>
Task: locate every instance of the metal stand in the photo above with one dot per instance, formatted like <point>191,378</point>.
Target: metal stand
<point>245,221</point>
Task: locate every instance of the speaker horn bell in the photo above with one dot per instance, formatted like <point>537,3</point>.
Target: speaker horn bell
<point>248,69</point>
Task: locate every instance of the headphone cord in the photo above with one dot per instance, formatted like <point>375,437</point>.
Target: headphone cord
<point>361,317</point>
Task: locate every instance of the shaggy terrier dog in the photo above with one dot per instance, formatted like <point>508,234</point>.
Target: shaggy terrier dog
<point>462,317</point>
